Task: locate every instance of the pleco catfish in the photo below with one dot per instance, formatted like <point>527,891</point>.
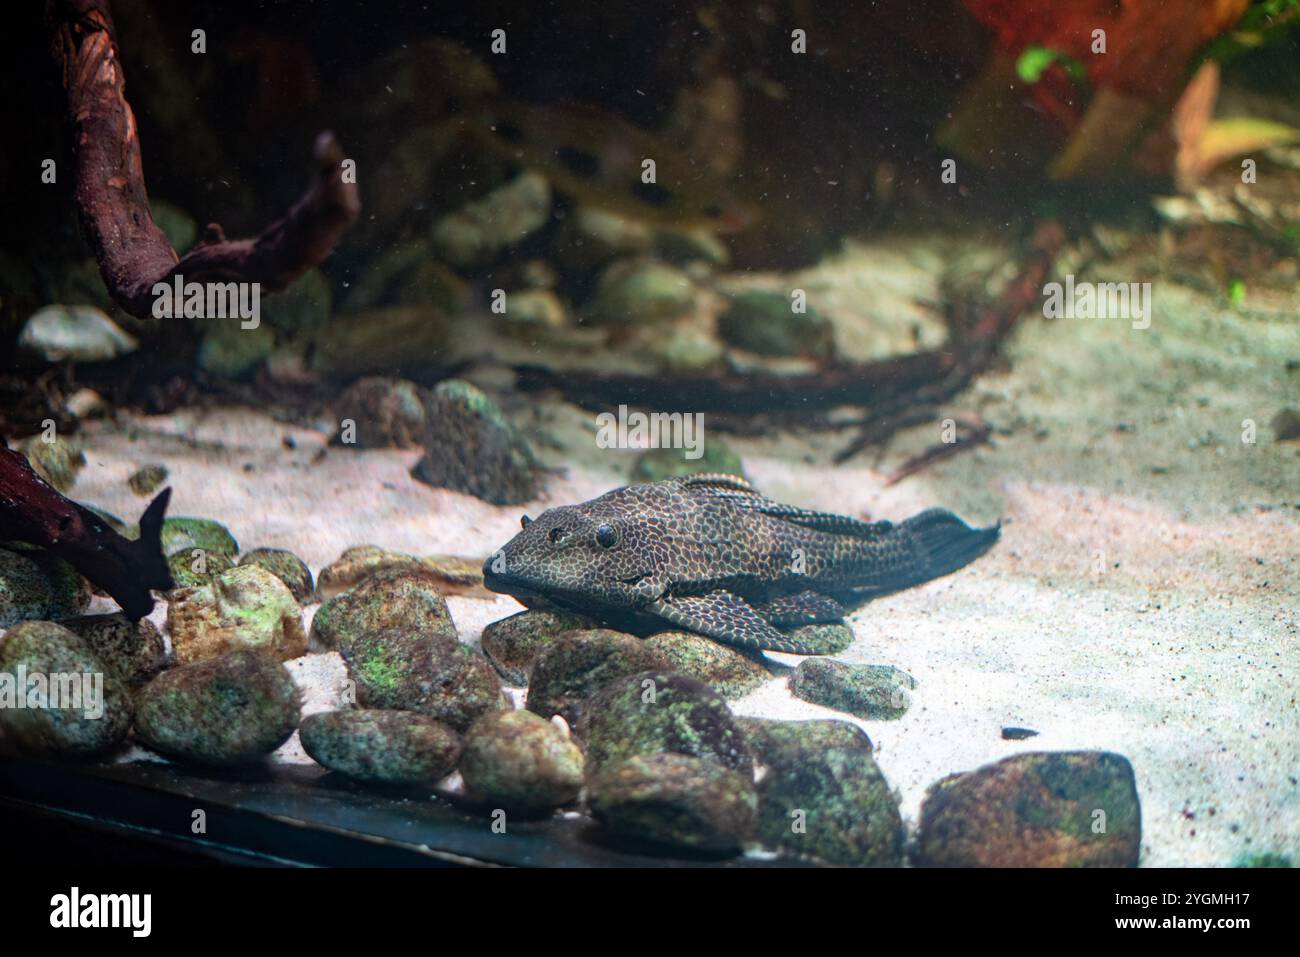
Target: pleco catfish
<point>710,554</point>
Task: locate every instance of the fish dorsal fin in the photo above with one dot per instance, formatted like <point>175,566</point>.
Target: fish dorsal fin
<point>740,494</point>
<point>826,521</point>
<point>717,480</point>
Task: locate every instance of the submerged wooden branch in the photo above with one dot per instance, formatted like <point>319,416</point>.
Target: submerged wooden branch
<point>132,252</point>
<point>33,511</point>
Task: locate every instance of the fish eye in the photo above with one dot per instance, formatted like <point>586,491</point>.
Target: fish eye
<point>556,535</point>
<point>524,521</point>
<point>606,536</point>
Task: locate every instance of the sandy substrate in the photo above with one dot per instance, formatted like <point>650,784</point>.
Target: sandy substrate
<point>1143,599</point>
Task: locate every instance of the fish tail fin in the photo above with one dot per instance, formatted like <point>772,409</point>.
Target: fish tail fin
<point>146,556</point>
<point>943,543</point>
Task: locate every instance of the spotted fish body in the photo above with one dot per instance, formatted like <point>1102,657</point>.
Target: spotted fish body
<point>710,554</point>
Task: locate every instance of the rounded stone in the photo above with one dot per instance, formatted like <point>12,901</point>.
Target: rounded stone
<point>1034,810</point>
<point>384,412</point>
<point>147,479</point>
<point>186,533</point>
<point>674,800</point>
<point>134,649</point>
<point>245,607</point>
<point>224,711</point>
<point>577,664</point>
<point>382,747</point>
<point>513,644</point>
<point>287,567</point>
<point>520,762</point>
<point>57,460</point>
<point>877,692</point>
<point>195,568</point>
<point>57,697</point>
<point>726,670</point>
<point>657,711</point>
<point>821,794</point>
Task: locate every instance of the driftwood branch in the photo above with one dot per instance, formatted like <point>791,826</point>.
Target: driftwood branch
<point>33,511</point>
<point>132,252</point>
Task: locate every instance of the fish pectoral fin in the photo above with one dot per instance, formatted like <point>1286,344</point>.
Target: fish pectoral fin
<point>805,608</point>
<point>723,616</point>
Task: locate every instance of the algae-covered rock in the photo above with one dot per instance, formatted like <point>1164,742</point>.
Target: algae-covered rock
<point>147,479</point>
<point>1286,425</point>
<point>513,644</point>
<point>245,607</point>
<point>37,585</point>
<point>185,533</point>
<point>228,349</point>
<point>573,667</point>
<point>868,691</point>
<point>380,412</point>
<point>134,649</point>
<point>1043,809</point>
<point>674,800</point>
<point>286,566</point>
<point>822,795</point>
<point>655,465</point>
<point>727,671</point>
<point>57,697</point>
<point>382,747</point>
<point>531,313</point>
<point>684,347</point>
<point>450,574</point>
<point>825,639</point>
<point>223,711</point>
<point>767,323</point>
<point>661,711</point>
<point>634,292</point>
<point>392,600</point>
<point>304,307</point>
<point>470,447</point>
<point>461,687</point>
<point>56,460</point>
<point>518,761</point>
<point>401,648</point>
<point>75,333</point>
<point>194,568</point>
<point>773,741</point>
<point>480,231</point>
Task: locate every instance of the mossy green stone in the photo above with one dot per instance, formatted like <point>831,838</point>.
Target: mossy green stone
<point>513,644</point>
<point>878,692</point>
<point>675,800</point>
<point>1040,809</point>
<point>57,461</point>
<point>381,747</point>
<point>287,567</point>
<point>185,533</point>
<point>518,761</point>
<point>657,711</point>
<point>225,711</point>
<point>191,571</point>
<point>767,323</point>
<point>731,673</point>
<point>576,665</point>
<point>93,712</point>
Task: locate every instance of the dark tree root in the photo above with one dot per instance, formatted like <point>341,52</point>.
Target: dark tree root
<point>32,511</point>
<point>132,252</point>
<point>895,393</point>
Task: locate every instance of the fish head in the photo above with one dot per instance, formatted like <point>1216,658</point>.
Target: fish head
<point>575,557</point>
